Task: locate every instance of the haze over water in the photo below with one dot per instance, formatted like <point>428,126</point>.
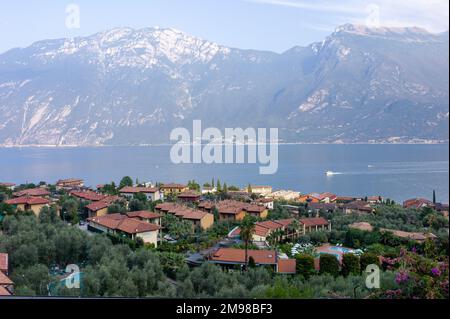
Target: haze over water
<point>393,171</point>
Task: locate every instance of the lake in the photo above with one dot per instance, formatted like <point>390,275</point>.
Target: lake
<point>393,171</point>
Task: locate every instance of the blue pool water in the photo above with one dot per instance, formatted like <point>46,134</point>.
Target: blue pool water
<point>342,250</point>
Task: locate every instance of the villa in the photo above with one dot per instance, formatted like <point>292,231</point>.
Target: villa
<point>189,197</point>
<point>230,258</point>
<point>284,229</point>
<point>197,217</point>
<point>6,284</point>
<point>28,203</point>
<point>146,216</point>
<point>173,188</point>
<point>9,186</point>
<point>87,195</point>
<point>267,202</point>
<point>261,190</point>
<point>32,192</point>
<point>69,184</point>
<point>152,194</point>
<point>284,195</point>
<point>122,225</point>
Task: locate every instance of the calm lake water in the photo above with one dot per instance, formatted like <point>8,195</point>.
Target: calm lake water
<point>395,171</point>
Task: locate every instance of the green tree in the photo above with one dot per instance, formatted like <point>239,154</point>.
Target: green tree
<point>305,265</point>
<point>246,234</point>
<point>126,181</point>
<point>350,265</point>
<point>329,264</point>
<point>367,259</point>
<point>251,262</point>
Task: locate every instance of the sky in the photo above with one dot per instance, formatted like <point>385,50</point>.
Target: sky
<point>275,25</point>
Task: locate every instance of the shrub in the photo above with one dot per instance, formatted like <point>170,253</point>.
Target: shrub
<point>367,259</point>
<point>305,265</point>
<point>329,264</point>
<point>350,265</point>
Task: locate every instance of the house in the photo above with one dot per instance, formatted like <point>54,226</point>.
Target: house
<point>287,266</point>
<point>32,192</point>
<point>97,209</point>
<point>375,199</point>
<point>327,198</point>
<point>231,210</point>
<point>206,206</point>
<point>267,202</point>
<point>28,203</point>
<point>314,224</point>
<point>122,225</point>
<point>236,210</point>
<point>173,188</point>
<point>240,195</point>
<point>146,216</point>
<point>263,230</point>
<point>284,195</point>
<point>284,229</point>
<point>358,207</point>
<point>318,207</point>
<point>258,211</point>
<point>346,199</point>
<point>414,236</point>
<point>87,195</point>
<point>152,194</point>
<point>189,197</point>
<point>199,218</point>
<point>6,284</point>
<point>4,265</point>
<point>417,203</point>
<point>309,198</point>
<point>261,190</point>
<point>9,186</point>
<point>232,258</point>
<point>69,184</point>
<point>209,190</point>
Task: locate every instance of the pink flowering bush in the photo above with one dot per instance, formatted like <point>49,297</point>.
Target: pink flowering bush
<point>417,277</point>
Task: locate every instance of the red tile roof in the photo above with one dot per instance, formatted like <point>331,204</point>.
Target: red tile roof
<point>133,226</point>
<point>124,223</point>
<point>69,181</point>
<point>233,255</point>
<point>4,291</point>
<point>4,280</point>
<point>173,185</point>
<point>315,221</point>
<point>7,184</point>
<point>143,214</point>
<point>32,192</point>
<point>417,203</point>
<point>4,262</point>
<point>190,195</point>
<point>135,190</point>
<point>27,200</point>
<point>96,206</point>
<point>88,195</point>
<point>287,266</point>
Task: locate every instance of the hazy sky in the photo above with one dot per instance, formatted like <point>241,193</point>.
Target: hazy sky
<point>275,25</point>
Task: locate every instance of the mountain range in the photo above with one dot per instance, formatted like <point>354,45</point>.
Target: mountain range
<point>132,87</point>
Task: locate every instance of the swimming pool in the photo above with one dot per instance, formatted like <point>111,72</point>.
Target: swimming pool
<point>341,250</point>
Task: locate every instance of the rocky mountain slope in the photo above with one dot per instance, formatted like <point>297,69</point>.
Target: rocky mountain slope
<point>132,87</point>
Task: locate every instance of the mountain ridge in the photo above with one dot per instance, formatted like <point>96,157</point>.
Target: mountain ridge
<point>118,87</point>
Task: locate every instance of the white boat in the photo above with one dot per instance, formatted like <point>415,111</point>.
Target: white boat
<point>330,173</point>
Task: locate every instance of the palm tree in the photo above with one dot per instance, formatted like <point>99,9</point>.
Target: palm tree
<point>247,231</point>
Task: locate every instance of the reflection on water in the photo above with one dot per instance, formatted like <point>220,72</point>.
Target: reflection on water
<point>394,171</point>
